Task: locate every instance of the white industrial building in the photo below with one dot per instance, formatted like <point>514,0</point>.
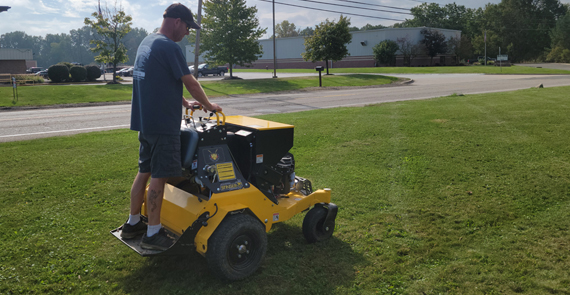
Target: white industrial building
<point>288,50</point>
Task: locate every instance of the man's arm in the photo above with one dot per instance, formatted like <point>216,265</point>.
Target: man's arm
<point>195,89</point>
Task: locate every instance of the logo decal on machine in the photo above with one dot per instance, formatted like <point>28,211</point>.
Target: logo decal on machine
<point>214,155</point>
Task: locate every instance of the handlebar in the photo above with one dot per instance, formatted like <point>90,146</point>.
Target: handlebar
<point>199,107</point>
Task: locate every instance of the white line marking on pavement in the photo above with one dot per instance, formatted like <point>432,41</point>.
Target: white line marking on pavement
<point>60,131</point>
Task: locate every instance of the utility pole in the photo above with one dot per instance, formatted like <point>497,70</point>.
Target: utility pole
<point>197,46</point>
<point>274,58</point>
<point>485,47</point>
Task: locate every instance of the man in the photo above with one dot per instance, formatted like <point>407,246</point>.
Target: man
<point>158,78</point>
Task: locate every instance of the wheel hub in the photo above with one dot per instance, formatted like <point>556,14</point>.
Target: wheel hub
<point>242,249</point>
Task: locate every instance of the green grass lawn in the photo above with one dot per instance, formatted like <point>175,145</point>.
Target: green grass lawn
<point>425,70</point>
<point>459,195</point>
<point>69,94</point>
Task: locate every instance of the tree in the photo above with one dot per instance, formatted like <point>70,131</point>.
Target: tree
<point>434,42</point>
<point>461,47</point>
<point>559,35</point>
<point>371,27</point>
<point>385,52</point>
<point>559,54</point>
<point>328,42</point>
<point>450,16</point>
<point>308,31</point>
<point>81,45</point>
<point>20,40</point>
<point>112,26</point>
<point>132,41</point>
<point>230,31</point>
<point>523,26</point>
<point>409,50</point>
<point>286,29</point>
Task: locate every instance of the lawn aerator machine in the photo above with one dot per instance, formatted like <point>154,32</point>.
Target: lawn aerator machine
<point>238,181</point>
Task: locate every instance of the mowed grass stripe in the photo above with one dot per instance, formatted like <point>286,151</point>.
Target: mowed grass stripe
<point>461,194</point>
<point>72,94</point>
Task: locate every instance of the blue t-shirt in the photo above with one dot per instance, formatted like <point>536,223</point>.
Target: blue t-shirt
<point>157,86</point>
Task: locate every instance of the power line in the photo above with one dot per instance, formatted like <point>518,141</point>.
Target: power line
<point>326,10</point>
<point>378,5</point>
<point>349,6</point>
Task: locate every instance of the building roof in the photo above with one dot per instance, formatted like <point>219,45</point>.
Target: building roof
<point>16,54</point>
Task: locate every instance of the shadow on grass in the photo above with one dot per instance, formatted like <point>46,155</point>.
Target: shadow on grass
<point>291,266</point>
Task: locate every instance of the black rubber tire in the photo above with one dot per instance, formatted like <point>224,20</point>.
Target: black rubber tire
<point>237,247</point>
<point>313,225</point>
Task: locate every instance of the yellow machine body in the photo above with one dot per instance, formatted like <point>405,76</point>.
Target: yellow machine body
<point>180,209</point>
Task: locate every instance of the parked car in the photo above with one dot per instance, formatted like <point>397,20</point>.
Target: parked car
<point>128,72</point>
<point>43,73</point>
<point>125,72</point>
<point>34,70</point>
<point>206,69</point>
<point>191,68</point>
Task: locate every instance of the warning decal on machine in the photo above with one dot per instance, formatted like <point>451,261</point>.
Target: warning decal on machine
<point>275,216</point>
<point>225,171</point>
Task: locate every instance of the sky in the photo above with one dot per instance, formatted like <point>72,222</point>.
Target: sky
<point>41,17</point>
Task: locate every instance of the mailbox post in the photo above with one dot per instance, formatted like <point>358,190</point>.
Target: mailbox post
<point>320,70</point>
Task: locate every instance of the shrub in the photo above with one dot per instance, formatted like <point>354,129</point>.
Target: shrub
<point>93,73</point>
<point>385,52</point>
<point>58,73</point>
<point>559,54</point>
<point>67,64</point>
<point>490,62</point>
<point>78,73</point>
<point>22,79</point>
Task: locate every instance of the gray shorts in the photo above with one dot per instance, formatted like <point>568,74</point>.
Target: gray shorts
<point>160,155</point>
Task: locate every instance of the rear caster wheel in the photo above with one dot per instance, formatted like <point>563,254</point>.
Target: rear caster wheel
<point>314,227</point>
<point>237,247</point>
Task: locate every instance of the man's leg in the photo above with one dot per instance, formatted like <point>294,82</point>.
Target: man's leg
<point>155,237</point>
<point>154,200</point>
<point>134,226</point>
<point>137,192</point>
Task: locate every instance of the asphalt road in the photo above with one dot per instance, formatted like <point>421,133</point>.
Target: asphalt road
<point>29,124</point>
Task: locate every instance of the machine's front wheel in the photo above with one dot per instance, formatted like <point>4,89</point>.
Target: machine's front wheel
<point>237,247</point>
<point>314,228</point>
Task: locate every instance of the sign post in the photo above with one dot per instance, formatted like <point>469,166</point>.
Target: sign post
<point>500,58</point>
<point>15,89</point>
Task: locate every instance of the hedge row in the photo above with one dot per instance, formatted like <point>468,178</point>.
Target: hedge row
<point>63,72</point>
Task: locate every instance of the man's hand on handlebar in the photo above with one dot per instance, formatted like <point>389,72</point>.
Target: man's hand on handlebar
<point>214,107</point>
<point>194,105</point>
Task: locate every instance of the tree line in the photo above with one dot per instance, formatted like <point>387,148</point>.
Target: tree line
<point>72,47</point>
<point>525,30</point>
<point>535,30</point>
